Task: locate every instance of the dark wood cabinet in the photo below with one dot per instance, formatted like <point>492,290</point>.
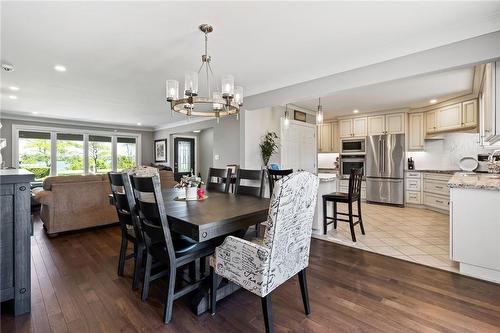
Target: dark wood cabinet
<point>15,246</point>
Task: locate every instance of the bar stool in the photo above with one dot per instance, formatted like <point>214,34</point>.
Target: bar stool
<point>354,194</point>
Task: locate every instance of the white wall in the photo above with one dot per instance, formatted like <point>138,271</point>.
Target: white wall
<point>446,154</point>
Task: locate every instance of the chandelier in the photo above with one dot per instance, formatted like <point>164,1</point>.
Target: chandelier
<point>216,103</point>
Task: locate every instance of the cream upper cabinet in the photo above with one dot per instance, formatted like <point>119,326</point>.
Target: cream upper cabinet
<point>335,137</point>
<point>359,126</point>
<point>325,137</point>
<point>345,128</point>
<point>395,123</point>
<point>469,113</point>
<point>376,125</point>
<point>449,117</point>
<point>487,103</point>
<point>431,121</point>
<point>416,129</point>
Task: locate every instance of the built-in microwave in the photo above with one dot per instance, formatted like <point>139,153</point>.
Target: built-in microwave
<point>353,146</point>
<point>349,162</point>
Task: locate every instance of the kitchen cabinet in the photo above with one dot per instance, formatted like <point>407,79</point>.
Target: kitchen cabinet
<point>376,125</point>
<point>353,127</point>
<point>489,105</point>
<point>325,137</point>
<point>416,131</point>
<point>436,192</point>
<point>328,138</point>
<point>386,124</point>
<point>413,192</point>
<point>431,121</point>
<point>475,232</point>
<point>449,117</point>
<point>469,113</point>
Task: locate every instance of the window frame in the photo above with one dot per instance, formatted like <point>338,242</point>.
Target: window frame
<point>16,128</point>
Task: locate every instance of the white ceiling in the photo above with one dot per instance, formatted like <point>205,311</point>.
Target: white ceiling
<point>407,93</point>
<point>118,54</point>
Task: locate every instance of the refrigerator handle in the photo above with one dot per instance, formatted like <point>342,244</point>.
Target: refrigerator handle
<point>383,156</point>
<point>380,156</point>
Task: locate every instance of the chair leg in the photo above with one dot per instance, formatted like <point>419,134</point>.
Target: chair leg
<point>360,218</point>
<point>203,266</point>
<point>257,230</point>
<point>325,222</point>
<point>351,222</point>
<point>213,290</point>
<point>147,276</point>
<point>303,291</point>
<point>123,253</point>
<point>169,302</point>
<point>268,315</point>
<point>138,265</point>
<point>335,215</point>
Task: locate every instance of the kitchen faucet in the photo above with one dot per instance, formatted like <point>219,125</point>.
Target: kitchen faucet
<point>492,155</point>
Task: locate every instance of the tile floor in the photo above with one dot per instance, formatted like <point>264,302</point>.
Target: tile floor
<point>412,234</point>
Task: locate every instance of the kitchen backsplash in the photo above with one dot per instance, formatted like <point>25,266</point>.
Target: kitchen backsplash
<point>327,160</point>
<point>446,154</point>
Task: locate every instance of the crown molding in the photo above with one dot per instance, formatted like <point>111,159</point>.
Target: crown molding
<point>183,123</point>
<point>69,122</point>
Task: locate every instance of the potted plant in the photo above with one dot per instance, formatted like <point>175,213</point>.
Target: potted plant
<point>268,146</point>
<point>190,184</point>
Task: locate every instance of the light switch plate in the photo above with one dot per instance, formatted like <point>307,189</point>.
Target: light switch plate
<point>217,157</point>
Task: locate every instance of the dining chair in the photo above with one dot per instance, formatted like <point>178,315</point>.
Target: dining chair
<point>352,195</point>
<point>223,179</point>
<point>234,171</point>
<point>284,251</point>
<point>254,177</point>
<point>130,231</point>
<point>173,250</point>
<point>275,175</point>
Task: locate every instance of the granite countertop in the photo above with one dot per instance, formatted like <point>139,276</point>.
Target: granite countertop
<point>435,171</point>
<point>327,177</point>
<point>486,181</point>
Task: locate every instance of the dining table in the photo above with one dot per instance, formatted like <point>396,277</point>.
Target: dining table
<point>211,219</point>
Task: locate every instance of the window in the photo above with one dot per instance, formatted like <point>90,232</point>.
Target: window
<point>126,153</point>
<point>34,153</point>
<point>62,151</point>
<point>70,155</point>
<point>100,154</point>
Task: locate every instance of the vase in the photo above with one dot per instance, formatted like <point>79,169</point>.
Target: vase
<point>191,193</point>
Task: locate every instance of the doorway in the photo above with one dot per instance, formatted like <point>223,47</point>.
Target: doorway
<point>184,157</point>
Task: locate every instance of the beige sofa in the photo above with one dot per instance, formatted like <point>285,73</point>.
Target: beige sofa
<point>79,202</point>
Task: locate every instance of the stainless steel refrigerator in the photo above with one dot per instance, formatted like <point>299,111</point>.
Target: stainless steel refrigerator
<point>384,168</point>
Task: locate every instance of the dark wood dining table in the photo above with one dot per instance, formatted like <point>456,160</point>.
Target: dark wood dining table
<point>219,215</point>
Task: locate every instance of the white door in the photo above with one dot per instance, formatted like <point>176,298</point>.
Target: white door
<point>450,117</point>
<point>376,125</point>
<point>345,128</point>
<point>298,146</point>
<point>359,126</point>
<point>395,123</point>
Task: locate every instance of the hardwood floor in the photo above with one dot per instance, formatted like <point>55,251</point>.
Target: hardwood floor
<point>75,289</point>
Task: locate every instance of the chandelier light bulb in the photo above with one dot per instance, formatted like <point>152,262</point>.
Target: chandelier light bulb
<point>227,86</point>
<point>172,90</point>
<point>191,84</point>
<point>238,95</point>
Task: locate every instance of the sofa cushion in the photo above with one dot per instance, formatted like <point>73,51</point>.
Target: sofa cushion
<point>47,183</point>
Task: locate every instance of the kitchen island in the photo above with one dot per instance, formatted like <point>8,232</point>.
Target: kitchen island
<point>327,184</point>
<point>475,224</point>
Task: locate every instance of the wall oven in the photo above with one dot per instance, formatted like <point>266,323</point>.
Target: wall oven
<point>353,146</point>
<point>349,162</point>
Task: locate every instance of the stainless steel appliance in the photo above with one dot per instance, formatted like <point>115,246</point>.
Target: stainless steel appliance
<point>352,146</point>
<point>384,168</point>
<point>349,162</point>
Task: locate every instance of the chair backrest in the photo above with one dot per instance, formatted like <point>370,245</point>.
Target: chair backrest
<point>256,176</point>
<point>120,200</point>
<point>288,234</point>
<point>275,175</point>
<point>223,179</point>
<point>152,214</point>
<point>355,179</point>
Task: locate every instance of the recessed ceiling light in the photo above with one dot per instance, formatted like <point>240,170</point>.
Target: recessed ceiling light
<point>355,111</point>
<point>60,68</point>
<point>14,88</point>
<point>433,101</point>
<point>196,131</point>
<point>34,112</point>
<point>139,124</point>
<point>115,131</point>
<point>13,97</point>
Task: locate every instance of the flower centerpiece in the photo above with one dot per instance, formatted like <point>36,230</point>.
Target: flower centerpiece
<point>190,184</point>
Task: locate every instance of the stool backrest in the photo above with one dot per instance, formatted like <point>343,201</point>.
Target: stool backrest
<point>355,179</point>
